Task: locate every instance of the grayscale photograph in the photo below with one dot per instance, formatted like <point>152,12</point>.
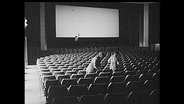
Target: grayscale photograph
<point>92,52</point>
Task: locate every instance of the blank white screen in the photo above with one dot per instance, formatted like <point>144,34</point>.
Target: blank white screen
<point>86,21</point>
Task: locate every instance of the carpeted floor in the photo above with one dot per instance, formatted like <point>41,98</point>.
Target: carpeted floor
<point>33,92</point>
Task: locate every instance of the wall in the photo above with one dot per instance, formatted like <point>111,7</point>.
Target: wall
<point>154,25</point>
<point>32,13</point>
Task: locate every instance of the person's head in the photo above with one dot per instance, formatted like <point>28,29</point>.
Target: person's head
<point>101,54</point>
<point>115,53</point>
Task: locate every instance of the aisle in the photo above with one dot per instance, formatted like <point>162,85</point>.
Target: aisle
<point>33,93</point>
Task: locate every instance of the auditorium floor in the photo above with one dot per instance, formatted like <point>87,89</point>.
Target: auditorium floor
<point>33,92</point>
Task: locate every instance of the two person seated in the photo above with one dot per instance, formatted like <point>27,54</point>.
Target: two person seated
<point>95,64</point>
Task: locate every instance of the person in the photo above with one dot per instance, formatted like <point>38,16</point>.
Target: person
<point>95,64</point>
<point>113,61</point>
<point>77,37</point>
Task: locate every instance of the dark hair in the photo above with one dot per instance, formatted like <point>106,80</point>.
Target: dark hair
<point>102,54</point>
<point>116,53</point>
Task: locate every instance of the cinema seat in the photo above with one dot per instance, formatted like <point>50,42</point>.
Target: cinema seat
<point>156,76</point>
<point>43,67</point>
<point>108,70</point>
<point>135,86</point>
<point>53,70</point>
<point>94,89</point>
<point>139,72</point>
<point>93,75</point>
<point>77,76</point>
<point>77,69</point>
<point>92,99</point>
<point>115,98</point>
<point>70,73</point>
<point>61,77</point>
<point>78,90</point>
<point>46,74</point>
<point>154,97</point>
<point>48,77</point>
<point>130,73</point>
<point>138,97</point>
<point>68,82</point>
<point>55,91</point>
<point>53,67</point>
<point>105,74</point>
<point>144,77</point>
<point>66,69</point>
<point>101,79</point>
<point>127,78</point>
<point>117,79</point>
<point>65,100</point>
<point>119,69</point>
<point>117,73</point>
<point>44,70</point>
<point>56,73</point>
<point>116,87</point>
<point>62,67</point>
<point>52,82</point>
<point>86,81</point>
<point>151,85</point>
<point>82,72</point>
<point>134,78</point>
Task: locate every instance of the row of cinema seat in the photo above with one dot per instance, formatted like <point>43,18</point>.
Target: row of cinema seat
<point>134,97</point>
<point>136,71</point>
<point>101,77</point>
<point>51,51</point>
<point>100,88</point>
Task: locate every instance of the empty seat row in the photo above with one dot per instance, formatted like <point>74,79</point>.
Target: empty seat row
<point>134,97</point>
<point>65,80</point>
<point>102,88</point>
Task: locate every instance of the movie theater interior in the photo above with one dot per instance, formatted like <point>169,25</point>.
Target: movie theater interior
<point>92,52</point>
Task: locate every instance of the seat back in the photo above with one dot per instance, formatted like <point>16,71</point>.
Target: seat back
<point>118,73</point>
<point>61,77</point>
<point>70,72</point>
<point>93,75</point>
<point>144,77</point>
<point>65,100</point>
<point>86,81</point>
<point>92,99</point>
<point>105,74</point>
<point>138,97</point>
<point>154,97</point>
<point>77,76</point>
<point>117,79</point>
<point>68,82</point>
<point>55,91</point>
<point>82,72</point>
<point>56,73</point>
<point>151,85</point>
<point>77,69</point>
<point>139,72</point>
<point>97,89</point>
<point>99,79</point>
<point>52,82</point>
<point>115,98</point>
<point>116,87</point>
<point>46,74</point>
<point>134,78</point>
<point>135,86</point>
<point>130,73</point>
<point>78,90</point>
<point>107,70</point>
